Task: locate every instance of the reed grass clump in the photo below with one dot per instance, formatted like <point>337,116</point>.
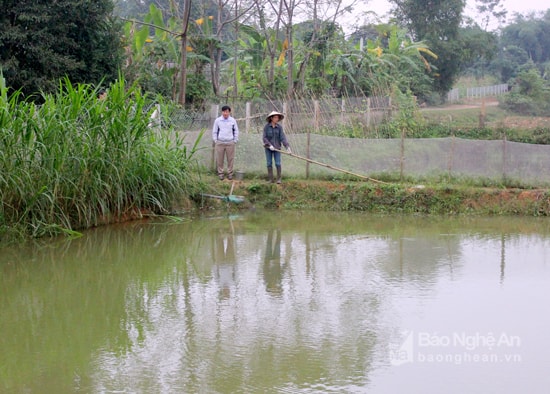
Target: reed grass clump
<point>75,161</point>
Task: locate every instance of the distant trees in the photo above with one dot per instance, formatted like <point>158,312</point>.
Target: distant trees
<point>524,63</point>
<point>437,23</point>
<point>489,10</point>
<point>479,48</point>
<point>44,41</point>
<point>531,34</point>
<point>191,51</point>
<point>522,45</point>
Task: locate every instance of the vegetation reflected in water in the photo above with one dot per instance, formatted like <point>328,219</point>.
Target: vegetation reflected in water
<point>268,302</point>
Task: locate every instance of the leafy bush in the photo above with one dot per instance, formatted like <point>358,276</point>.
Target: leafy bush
<point>520,104</point>
<point>530,95</point>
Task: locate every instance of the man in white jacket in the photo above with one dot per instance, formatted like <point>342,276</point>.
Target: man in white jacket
<point>225,135</point>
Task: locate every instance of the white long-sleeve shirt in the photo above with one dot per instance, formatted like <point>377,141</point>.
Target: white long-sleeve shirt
<point>225,130</point>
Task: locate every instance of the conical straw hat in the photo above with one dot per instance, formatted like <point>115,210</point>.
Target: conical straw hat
<point>268,119</point>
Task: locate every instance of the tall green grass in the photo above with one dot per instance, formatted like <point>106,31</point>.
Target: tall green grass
<point>75,162</point>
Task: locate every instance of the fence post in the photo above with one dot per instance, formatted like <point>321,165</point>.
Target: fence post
<point>482,113</point>
<point>316,112</point>
<point>214,109</point>
<point>247,118</point>
<point>451,156</point>
<point>402,159</point>
<point>368,112</point>
<point>504,157</point>
<point>286,119</point>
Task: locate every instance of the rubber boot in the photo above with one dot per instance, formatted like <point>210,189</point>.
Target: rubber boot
<point>278,174</point>
<point>270,174</point>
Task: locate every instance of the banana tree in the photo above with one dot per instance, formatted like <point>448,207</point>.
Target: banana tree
<point>153,60</point>
<point>255,76</point>
<point>394,60</point>
<point>170,53</point>
<point>413,69</point>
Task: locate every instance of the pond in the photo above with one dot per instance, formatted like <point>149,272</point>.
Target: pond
<point>281,302</point>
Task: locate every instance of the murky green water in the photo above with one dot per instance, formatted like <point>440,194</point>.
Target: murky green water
<point>281,303</point>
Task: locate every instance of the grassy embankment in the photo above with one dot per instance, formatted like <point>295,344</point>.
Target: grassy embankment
<point>434,196</point>
<point>406,198</point>
<point>75,162</point>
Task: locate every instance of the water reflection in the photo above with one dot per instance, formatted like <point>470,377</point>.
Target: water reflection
<point>223,257</point>
<point>273,266</point>
<point>502,257</point>
<point>291,302</point>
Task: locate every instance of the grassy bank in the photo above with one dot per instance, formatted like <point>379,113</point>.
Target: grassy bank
<point>75,161</point>
<point>475,120</point>
<point>325,195</point>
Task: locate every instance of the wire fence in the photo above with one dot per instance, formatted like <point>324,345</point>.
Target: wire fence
<point>310,127</point>
<point>457,94</point>
<point>312,115</point>
<point>496,160</point>
<point>300,115</point>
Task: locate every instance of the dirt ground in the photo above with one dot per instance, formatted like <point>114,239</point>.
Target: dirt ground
<point>513,121</point>
<point>474,103</point>
<point>526,123</point>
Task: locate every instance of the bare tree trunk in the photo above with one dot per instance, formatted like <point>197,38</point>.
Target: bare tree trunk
<point>271,40</point>
<point>216,53</point>
<point>217,68</point>
<point>235,84</point>
<point>290,6</point>
<point>272,52</point>
<point>183,66</point>
<point>301,73</point>
<point>213,75</point>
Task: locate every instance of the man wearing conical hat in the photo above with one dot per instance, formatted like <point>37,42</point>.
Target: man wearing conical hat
<point>274,138</point>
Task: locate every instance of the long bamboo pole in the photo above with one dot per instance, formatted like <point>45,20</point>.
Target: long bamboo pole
<point>331,167</point>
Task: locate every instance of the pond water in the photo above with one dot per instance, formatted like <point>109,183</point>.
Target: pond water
<point>281,302</point>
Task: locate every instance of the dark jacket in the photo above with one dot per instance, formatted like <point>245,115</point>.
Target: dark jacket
<point>274,136</point>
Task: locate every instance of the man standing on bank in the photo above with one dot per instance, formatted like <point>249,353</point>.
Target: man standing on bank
<point>273,138</point>
<point>225,135</point>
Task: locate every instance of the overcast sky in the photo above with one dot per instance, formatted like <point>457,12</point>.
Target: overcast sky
<point>381,7</point>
